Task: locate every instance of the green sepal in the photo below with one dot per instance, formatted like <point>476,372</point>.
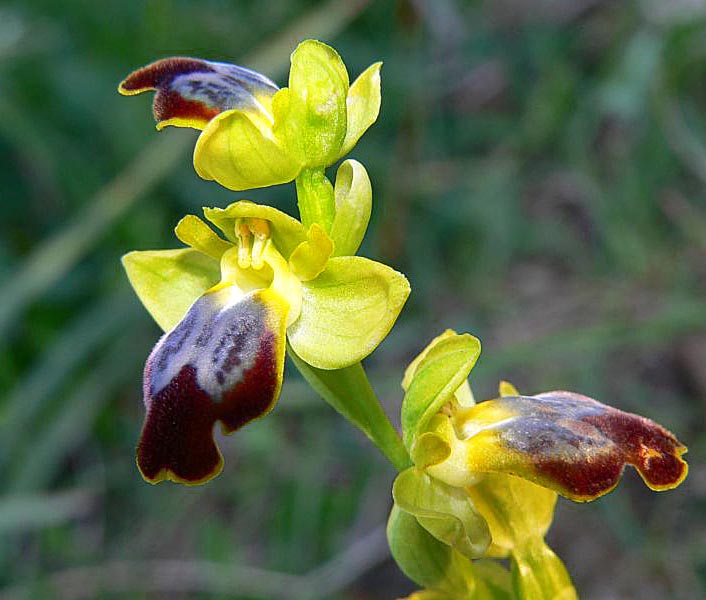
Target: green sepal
<point>354,201</point>
<point>287,232</point>
<point>537,572</point>
<point>363,106</point>
<point>435,378</point>
<point>425,560</point>
<point>347,311</point>
<point>195,233</point>
<point>238,151</point>
<point>444,511</point>
<point>168,282</point>
<point>313,118</point>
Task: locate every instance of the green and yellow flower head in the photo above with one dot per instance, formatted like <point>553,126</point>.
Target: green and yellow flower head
<point>255,134</point>
<point>486,476</point>
<point>228,305</point>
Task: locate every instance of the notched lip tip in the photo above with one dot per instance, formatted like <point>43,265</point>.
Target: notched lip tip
<point>165,474</point>
<point>124,88</point>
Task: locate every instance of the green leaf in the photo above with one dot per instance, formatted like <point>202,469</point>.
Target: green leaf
<point>238,151</point>
<point>168,282</point>
<point>354,201</point>
<point>537,572</point>
<point>425,560</point>
<point>314,119</point>
<point>363,105</point>
<point>435,378</point>
<point>444,511</point>
<point>347,311</point>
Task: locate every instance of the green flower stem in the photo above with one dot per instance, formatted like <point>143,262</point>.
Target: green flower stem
<point>350,393</point>
<point>539,573</point>
<point>315,197</point>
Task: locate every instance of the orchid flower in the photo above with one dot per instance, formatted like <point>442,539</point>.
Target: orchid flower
<point>255,134</point>
<point>228,306</point>
<point>486,476</point>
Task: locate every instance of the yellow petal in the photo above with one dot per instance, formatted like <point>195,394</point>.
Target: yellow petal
<point>309,258</point>
<point>195,233</point>
<point>507,389</point>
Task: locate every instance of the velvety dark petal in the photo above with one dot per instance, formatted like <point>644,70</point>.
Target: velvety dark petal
<point>570,443</point>
<point>223,362</point>
<point>191,91</point>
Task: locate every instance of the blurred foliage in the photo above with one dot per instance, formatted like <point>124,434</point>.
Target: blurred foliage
<point>539,170</point>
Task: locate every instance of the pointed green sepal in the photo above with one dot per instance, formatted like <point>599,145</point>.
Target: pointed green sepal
<point>515,509</point>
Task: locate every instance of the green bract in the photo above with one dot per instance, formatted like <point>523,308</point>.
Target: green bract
<point>424,559</point>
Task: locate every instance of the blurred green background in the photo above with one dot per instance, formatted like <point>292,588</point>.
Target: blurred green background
<point>539,170</point>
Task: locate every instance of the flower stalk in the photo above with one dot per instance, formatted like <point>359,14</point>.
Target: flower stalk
<point>315,198</point>
<point>349,392</point>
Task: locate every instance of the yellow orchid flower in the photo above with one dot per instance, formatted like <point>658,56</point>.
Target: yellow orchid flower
<point>228,306</point>
<point>486,476</point>
<point>253,133</point>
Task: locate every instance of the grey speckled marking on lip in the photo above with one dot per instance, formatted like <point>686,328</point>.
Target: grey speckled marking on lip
<point>219,337</point>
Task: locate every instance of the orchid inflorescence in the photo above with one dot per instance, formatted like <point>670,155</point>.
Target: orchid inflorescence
<point>477,482</point>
